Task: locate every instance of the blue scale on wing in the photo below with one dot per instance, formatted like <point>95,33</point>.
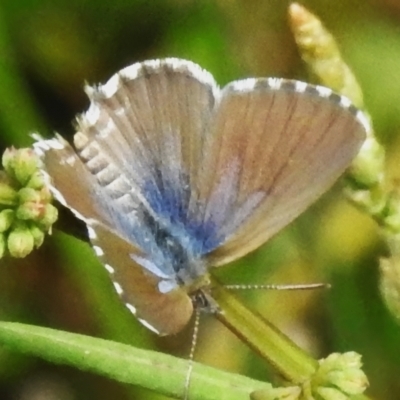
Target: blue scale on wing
<point>173,237</point>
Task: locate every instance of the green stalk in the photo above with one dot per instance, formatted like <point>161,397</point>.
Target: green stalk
<point>155,371</point>
<point>286,357</point>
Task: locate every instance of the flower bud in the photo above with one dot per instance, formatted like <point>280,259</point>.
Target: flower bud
<point>6,219</point>
<point>8,196</point>
<point>36,181</point>
<point>50,216</point>
<point>31,206</point>
<point>20,241</point>
<point>21,164</point>
<point>37,234</point>
<point>326,393</point>
<point>339,376</point>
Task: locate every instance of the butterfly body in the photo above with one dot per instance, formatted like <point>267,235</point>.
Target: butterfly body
<point>174,176</point>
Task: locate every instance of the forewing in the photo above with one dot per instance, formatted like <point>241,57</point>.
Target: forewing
<point>277,146</point>
<point>143,135</point>
<point>74,186</point>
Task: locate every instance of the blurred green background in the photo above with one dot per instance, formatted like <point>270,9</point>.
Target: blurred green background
<point>50,48</point>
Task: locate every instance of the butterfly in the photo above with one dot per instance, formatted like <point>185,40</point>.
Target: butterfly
<point>174,176</point>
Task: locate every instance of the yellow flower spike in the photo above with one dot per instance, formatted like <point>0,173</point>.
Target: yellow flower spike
<point>367,185</point>
<point>320,52</point>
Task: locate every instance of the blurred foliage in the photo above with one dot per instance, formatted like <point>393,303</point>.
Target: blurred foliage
<point>49,48</point>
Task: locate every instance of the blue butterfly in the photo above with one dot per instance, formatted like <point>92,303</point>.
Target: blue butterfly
<point>174,176</point>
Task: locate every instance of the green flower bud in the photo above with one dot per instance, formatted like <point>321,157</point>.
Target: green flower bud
<point>348,381</point>
<point>8,161</point>
<point>6,219</point>
<point>319,50</point>
<point>37,234</point>
<point>30,211</point>
<point>8,196</point>
<point>36,181</point>
<point>24,165</point>
<point>27,195</point>
<point>325,393</point>
<point>50,216</point>
<point>20,241</point>
<point>46,195</point>
<point>341,374</point>
<point>32,206</point>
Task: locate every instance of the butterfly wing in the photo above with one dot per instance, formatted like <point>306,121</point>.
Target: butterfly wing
<point>277,146</point>
<point>137,151</point>
<point>164,313</point>
<point>145,130</point>
<point>62,167</point>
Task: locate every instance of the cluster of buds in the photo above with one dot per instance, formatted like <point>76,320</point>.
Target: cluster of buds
<point>26,214</point>
<point>337,377</point>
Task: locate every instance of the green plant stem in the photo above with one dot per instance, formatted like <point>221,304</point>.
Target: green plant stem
<point>156,371</point>
<point>291,361</point>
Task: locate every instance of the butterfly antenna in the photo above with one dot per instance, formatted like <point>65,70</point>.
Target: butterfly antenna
<point>307,286</point>
<point>192,350</point>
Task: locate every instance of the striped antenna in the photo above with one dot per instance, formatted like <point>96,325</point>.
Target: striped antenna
<point>306,286</point>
